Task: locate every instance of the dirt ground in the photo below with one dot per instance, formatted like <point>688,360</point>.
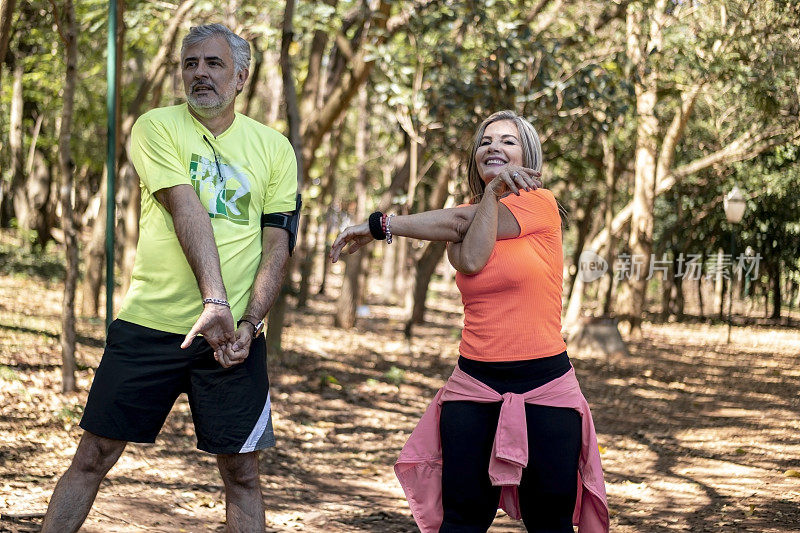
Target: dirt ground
<point>695,434</point>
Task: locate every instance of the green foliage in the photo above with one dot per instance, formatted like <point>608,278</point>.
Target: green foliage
<point>328,381</point>
<point>70,414</point>
<point>570,74</point>
<point>8,374</point>
<point>395,376</point>
<point>28,261</point>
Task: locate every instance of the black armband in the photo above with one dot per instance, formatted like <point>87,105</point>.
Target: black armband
<point>290,222</point>
<point>375,226</point>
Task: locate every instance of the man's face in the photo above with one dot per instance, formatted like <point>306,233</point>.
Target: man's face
<point>209,76</point>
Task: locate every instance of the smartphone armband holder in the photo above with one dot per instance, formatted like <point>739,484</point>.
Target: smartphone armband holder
<point>288,222</point>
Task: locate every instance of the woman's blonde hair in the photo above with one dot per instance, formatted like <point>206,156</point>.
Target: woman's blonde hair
<point>531,149</point>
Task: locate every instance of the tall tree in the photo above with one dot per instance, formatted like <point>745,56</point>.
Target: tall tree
<point>646,85</point>
<point>278,311</point>
<point>6,12</point>
<point>350,293</point>
<point>68,29</point>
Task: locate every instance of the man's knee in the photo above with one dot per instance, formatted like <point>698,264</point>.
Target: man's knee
<point>239,469</point>
<point>96,455</point>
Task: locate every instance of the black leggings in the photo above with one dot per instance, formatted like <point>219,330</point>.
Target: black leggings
<point>548,488</point>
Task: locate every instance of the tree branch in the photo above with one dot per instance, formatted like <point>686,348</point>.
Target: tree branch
<point>746,146</point>
<point>59,25</point>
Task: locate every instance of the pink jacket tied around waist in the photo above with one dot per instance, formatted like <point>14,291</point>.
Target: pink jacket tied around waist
<point>419,467</point>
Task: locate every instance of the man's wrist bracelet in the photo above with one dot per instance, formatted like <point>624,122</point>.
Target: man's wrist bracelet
<point>217,301</point>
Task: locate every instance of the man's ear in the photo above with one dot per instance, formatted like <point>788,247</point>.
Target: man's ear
<point>241,78</point>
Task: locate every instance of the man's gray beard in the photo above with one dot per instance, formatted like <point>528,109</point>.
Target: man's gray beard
<point>209,110</point>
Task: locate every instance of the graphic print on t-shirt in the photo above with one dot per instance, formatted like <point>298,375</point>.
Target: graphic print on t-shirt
<point>226,196</point>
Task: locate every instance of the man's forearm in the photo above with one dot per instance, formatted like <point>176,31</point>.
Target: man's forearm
<point>271,270</point>
<point>196,237</point>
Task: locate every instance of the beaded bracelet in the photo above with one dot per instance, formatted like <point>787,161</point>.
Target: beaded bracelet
<point>388,230</point>
<point>216,301</point>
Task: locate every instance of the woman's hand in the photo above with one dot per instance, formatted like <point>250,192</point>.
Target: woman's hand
<point>512,179</point>
<point>355,236</point>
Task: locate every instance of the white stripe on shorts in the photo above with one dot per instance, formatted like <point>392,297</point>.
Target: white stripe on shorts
<point>258,430</point>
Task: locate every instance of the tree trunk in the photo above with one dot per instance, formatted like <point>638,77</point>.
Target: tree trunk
<point>584,227</point>
<point>150,87</point>
<point>719,286</point>
<point>679,297</point>
<point>315,127</point>
<point>309,254</point>
<point>433,252</point>
<point>313,84</point>
<point>94,254</point>
<point>347,302</point>
<point>328,195</point>
<point>424,271</point>
<point>389,270</point>
<point>41,211</point>
<point>634,292</point>
<point>278,311</point>
<point>67,167</point>
<point>609,164</point>
<point>6,13</point>
<point>350,293</point>
<point>255,76</point>
<point>129,201</point>
<point>16,203</point>
<point>273,87</point>
<point>700,287</point>
<point>775,279</point>
<point>667,291</point>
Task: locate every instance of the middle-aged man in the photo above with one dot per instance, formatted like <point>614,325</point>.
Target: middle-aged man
<point>218,206</point>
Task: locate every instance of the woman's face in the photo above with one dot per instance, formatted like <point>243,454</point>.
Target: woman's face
<point>499,147</point>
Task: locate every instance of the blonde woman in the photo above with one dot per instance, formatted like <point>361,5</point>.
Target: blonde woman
<point>510,428</point>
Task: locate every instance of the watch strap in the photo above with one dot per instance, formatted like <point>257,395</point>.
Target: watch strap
<point>257,326</point>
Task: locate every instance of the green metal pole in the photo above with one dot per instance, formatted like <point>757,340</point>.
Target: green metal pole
<point>111,157</point>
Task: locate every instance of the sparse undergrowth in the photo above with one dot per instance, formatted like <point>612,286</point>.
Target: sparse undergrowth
<point>695,435</point>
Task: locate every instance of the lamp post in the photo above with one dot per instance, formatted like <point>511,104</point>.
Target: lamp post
<point>734,205</point>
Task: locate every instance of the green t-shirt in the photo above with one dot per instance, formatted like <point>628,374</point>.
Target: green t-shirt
<point>259,175</point>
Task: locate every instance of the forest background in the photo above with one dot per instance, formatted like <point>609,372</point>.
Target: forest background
<point>650,112</point>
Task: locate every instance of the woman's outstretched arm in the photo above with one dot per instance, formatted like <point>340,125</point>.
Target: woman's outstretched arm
<point>451,225</point>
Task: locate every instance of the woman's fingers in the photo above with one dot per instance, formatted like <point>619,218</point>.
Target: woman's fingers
<point>353,237</point>
<point>526,178</point>
<point>514,181</point>
<point>340,242</point>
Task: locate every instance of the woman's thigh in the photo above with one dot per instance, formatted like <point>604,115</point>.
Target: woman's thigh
<point>469,500</point>
<point>549,483</point>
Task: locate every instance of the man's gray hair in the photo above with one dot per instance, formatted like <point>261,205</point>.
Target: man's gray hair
<point>240,48</point>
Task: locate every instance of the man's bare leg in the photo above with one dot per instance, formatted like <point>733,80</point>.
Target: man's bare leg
<point>76,490</point>
<point>243,500</point>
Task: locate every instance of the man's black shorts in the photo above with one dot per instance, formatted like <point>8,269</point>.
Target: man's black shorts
<point>143,371</point>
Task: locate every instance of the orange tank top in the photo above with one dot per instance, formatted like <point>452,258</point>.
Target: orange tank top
<point>512,307</point>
